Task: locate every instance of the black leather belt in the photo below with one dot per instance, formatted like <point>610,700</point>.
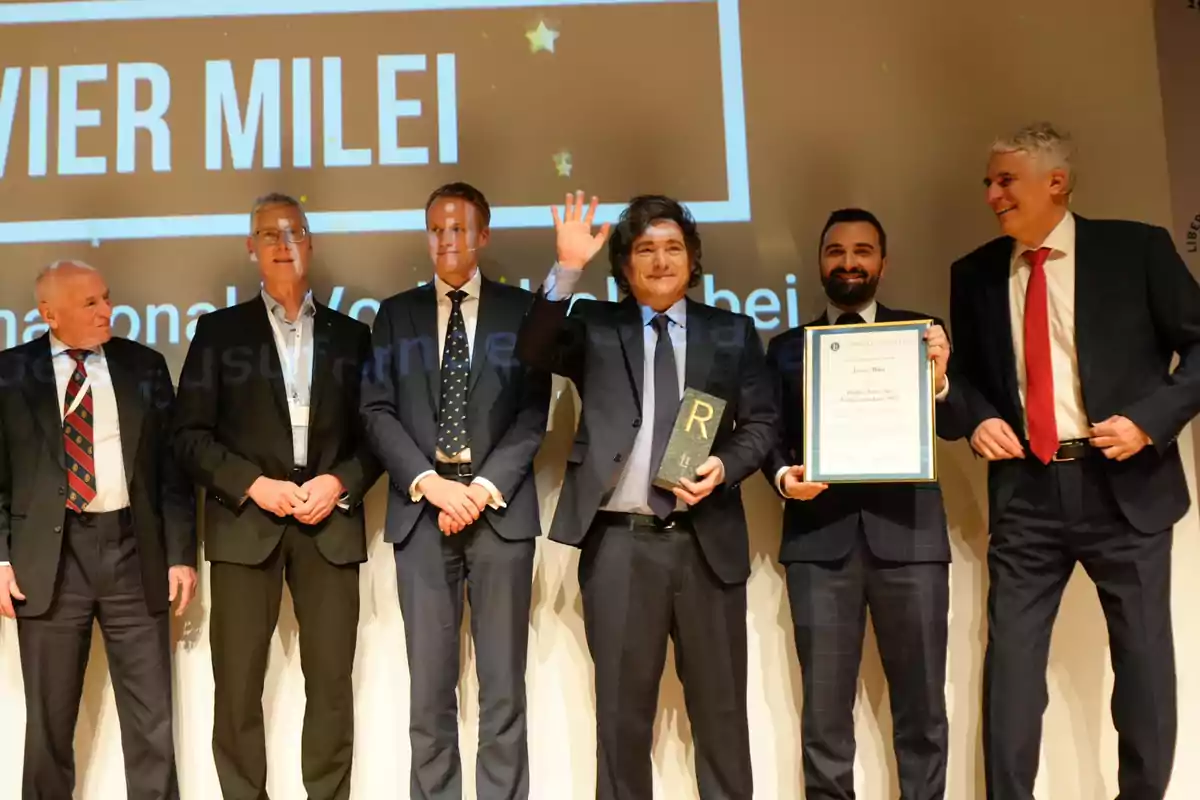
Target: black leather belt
<point>122,515</point>
<point>457,470</point>
<point>679,520</point>
<point>1074,449</point>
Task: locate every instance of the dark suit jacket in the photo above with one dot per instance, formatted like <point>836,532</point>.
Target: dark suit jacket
<point>903,522</point>
<point>507,405</point>
<point>232,425</point>
<point>1136,306</point>
<point>599,346</point>
<point>33,472</point>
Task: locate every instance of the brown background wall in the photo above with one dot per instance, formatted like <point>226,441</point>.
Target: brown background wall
<point>869,102</point>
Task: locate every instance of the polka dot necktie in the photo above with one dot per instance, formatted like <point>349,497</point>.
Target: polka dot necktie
<point>78,437</point>
<point>456,371</point>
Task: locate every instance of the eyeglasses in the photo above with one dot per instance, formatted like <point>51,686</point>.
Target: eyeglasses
<point>290,235</point>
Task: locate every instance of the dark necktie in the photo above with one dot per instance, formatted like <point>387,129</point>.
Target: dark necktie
<point>666,407</point>
<point>78,438</point>
<point>849,318</point>
<point>1039,371</point>
<point>456,370</point>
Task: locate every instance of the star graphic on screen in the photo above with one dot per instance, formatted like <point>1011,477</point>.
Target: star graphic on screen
<point>541,38</point>
<point>562,164</point>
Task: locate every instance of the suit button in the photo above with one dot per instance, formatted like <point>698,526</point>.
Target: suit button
<point>61,491</point>
<point>617,458</point>
<point>58,528</point>
<point>637,423</point>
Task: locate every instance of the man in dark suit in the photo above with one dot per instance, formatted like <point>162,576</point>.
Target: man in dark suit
<point>96,522</point>
<point>655,563</point>
<point>1065,329</point>
<point>267,422</point>
<point>852,547</point>
<point>456,420</point>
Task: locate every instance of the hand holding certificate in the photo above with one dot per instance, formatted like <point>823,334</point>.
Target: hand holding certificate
<point>868,411</point>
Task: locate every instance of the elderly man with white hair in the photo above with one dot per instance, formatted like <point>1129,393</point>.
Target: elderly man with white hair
<point>1065,329</point>
<point>96,523</point>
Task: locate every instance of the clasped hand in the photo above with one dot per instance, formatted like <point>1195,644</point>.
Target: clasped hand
<point>309,503</point>
<point>460,504</point>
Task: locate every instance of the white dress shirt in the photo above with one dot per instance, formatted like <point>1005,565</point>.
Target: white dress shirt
<point>470,312</point>
<point>112,489</point>
<point>1069,413</point>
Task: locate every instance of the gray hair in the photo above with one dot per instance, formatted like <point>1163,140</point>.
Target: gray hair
<point>52,270</point>
<point>276,199</point>
<point>1051,147</point>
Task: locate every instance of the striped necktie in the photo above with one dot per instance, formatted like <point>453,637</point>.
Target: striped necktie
<point>78,438</point>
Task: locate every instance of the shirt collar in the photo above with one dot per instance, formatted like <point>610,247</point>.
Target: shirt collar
<point>1061,240</point>
<point>307,305</point>
<point>471,287</point>
<point>58,347</point>
<point>676,313</point>
<point>868,313</point>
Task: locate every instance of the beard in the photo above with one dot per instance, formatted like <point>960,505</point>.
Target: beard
<point>846,293</point>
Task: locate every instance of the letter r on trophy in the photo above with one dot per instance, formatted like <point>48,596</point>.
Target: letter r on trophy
<point>691,440</point>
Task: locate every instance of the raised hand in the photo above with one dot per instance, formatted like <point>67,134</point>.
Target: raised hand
<point>574,238</point>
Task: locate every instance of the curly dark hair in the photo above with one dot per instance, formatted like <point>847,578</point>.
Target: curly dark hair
<point>642,212</point>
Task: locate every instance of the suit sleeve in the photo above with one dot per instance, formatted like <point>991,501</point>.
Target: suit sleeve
<point>385,433</point>
<point>965,404</point>
<point>757,429</point>
<point>1174,298</point>
<point>948,420</point>
<point>781,454</point>
<point>551,341</point>
<point>209,462</point>
<point>361,469</point>
<point>511,459</point>
<point>177,496</point>
<point>5,497</point>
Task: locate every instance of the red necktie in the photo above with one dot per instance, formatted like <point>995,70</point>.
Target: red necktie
<point>78,438</point>
<point>1039,373</point>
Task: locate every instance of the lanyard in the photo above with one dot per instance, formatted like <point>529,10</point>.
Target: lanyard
<point>87,383</point>
<point>290,358</point>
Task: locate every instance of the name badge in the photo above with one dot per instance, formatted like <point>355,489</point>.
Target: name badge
<point>299,415</point>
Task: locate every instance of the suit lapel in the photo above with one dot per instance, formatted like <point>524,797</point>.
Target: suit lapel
<point>269,361</point>
<point>423,312</point>
<point>1087,299</point>
<point>486,323</point>
<point>131,406</point>
<point>629,324</point>
<point>323,360</point>
<point>42,393</point>
<point>700,347</point>
<point>996,293</point>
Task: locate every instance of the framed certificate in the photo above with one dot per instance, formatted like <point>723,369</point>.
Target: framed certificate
<point>868,403</point>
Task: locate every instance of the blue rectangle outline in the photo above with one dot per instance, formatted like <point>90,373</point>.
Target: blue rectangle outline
<point>735,208</point>
<point>812,388</point>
